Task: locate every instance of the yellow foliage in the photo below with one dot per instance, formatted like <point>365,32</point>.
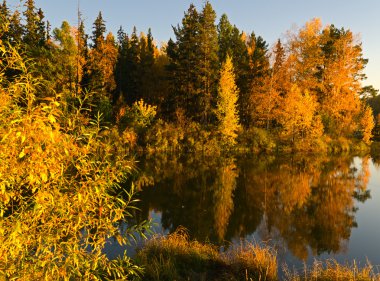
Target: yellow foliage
<point>58,188</point>
<point>297,115</point>
<point>227,112</point>
<point>367,124</point>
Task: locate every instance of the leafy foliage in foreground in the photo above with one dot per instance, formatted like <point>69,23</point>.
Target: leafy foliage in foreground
<point>59,197</point>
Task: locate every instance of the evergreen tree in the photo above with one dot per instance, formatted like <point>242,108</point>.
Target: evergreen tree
<point>258,73</point>
<point>121,70</point>
<point>227,112</point>
<point>4,20</point>
<point>208,64</point>
<point>99,29</point>
<point>132,69</point>
<point>184,63</point>
<point>225,30</point>
<point>34,33</point>
<point>15,28</point>
<point>83,80</point>
<point>147,75</point>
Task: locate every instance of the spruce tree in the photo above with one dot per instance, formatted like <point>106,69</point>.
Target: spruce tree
<point>34,33</point>
<point>4,20</point>
<point>132,66</point>
<point>99,29</point>
<point>120,69</point>
<point>225,30</point>
<point>15,28</point>
<point>209,63</point>
<point>184,64</point>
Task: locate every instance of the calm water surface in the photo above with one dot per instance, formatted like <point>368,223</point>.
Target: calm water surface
<point>306,207</point>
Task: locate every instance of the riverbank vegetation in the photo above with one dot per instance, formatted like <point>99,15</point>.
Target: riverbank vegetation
<point>212,88</point>
<point>74,107</point>
<point>175,257</point>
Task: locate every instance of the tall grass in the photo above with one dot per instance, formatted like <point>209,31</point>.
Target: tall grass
<point>175,257</point>
<point>331,270</point>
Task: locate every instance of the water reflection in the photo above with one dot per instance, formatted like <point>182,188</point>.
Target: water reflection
<point>306,203</point>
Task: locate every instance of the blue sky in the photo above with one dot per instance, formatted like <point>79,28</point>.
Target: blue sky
<point>270,18</point>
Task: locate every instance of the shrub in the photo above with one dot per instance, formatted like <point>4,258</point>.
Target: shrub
<point>59,195</point>
<point>257,139</point>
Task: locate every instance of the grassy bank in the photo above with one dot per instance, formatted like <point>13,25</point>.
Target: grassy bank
<point>175,257</point>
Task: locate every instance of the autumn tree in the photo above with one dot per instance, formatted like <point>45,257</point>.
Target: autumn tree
<point>297,116</point>
<point>67,56</point>
<point>232,42</point>
<point>305,56</point>
<point>367,123</point>
<point>228,95</point>
<point>341,78</point>
<point>102,60</point>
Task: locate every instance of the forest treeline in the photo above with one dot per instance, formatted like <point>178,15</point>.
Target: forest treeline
<point>209,88</point>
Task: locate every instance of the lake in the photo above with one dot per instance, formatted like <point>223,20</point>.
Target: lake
<point>304,206</point>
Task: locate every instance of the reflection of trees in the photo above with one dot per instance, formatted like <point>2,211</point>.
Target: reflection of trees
<point>308,201</point>
<point>194,192</point>
<point>223,196</point>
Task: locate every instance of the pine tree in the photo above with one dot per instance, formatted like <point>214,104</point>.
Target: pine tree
<point>228,94</point>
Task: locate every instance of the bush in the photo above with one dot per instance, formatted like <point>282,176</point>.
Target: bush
<point>256,140</point>
<point>59,195</point>
<point>163,136</point>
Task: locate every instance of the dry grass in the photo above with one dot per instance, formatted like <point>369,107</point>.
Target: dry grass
<point>257,263</point>
<point>175,257</point>
<point>331,270</point>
